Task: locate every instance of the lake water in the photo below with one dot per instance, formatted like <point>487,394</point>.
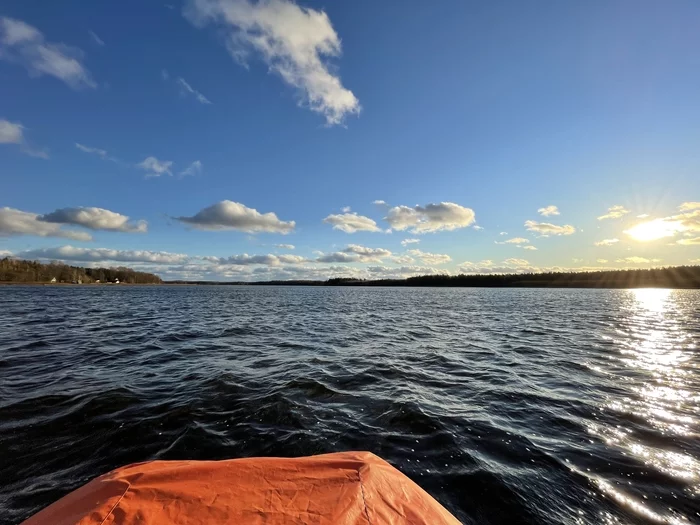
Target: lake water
<point>507,405</point>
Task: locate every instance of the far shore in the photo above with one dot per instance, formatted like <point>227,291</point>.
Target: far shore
<point>674,277</point>
<point>44,283</point>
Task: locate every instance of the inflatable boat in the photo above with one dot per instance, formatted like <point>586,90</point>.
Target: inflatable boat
<point>348,488</point>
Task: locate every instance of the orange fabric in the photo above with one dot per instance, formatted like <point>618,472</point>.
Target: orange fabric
<point>347,488</point>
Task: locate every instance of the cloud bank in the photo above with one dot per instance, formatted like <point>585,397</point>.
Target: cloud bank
<point>71,253</point>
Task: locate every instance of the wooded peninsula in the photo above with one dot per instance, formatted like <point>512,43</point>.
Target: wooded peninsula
<point>20,271</point>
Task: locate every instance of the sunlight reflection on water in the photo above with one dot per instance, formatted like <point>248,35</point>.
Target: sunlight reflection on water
<point>655,348</point>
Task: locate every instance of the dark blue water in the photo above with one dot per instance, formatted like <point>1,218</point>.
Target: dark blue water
<point>508,406</point>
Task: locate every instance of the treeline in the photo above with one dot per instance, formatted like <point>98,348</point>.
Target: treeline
<point>20,271</point>
<point>675,277</point>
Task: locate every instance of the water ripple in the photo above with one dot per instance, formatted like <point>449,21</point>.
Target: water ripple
<point>509,406</point>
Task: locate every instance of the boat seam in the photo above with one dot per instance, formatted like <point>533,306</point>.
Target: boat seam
<point>115,505</point>
<point>364,501</point>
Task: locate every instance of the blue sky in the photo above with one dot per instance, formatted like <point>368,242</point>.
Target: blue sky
<point>464,118</point>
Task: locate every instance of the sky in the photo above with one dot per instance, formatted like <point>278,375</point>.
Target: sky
<point>273,139</point>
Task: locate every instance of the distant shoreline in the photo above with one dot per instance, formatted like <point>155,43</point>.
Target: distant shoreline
<point>42,283</point>
<point>369,284</point>
<point>19,272</point>
<point>678,277</point>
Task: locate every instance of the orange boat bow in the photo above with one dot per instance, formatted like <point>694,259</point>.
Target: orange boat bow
<point>348,488</point>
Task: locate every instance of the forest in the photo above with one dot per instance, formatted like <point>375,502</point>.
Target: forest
<point>672,277</point>
<point>20,271</point>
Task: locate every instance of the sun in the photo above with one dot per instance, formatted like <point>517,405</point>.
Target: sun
<point>656,229</point>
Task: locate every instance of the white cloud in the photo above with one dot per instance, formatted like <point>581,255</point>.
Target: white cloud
<point>607,242</point>
<point>25,45</point>
<point>367,254</point>
<point>512,265</point>
<point>389,272</point>
<point>155,167</point>
<point>695,261</point>
<point>97,151</point>
<point>430,218</point>
<point>402,259</point>
<point>545,228</point>
<point>643,216</point>
<point>293,41</point>
<point>11,132</point>
<point>517,262</point>
<point>638,260</point>
<point>195,168</point>
<point>430,258</point>
<point>548,210</point>
<point>266,260</point>
<point>164,74</point>
<point>17,222</point>
<point>346,209</point>
<point>503,233</point>
<point>5,253</point>
<point>285,246</point>
<point>406,242</point>
<point>614,212</point>
<point>532,248</point>
<point>96,38</point>
<point>602,261</point>
<point>477,227</point>
<point>688,206</point>
<point>354,253</point>
<point>690,242</point>
<point>351,223</point>
<point>95,219</point>
<point>187,89</point>
<point>229,215</point>
<point>516,240</point>
<point>337,257</point>
<point>71,253</point>
<point>380,203</point>
<point>486,266</point>
<point>689,221</point>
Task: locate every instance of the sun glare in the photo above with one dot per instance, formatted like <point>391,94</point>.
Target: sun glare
<point>656,229</point>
